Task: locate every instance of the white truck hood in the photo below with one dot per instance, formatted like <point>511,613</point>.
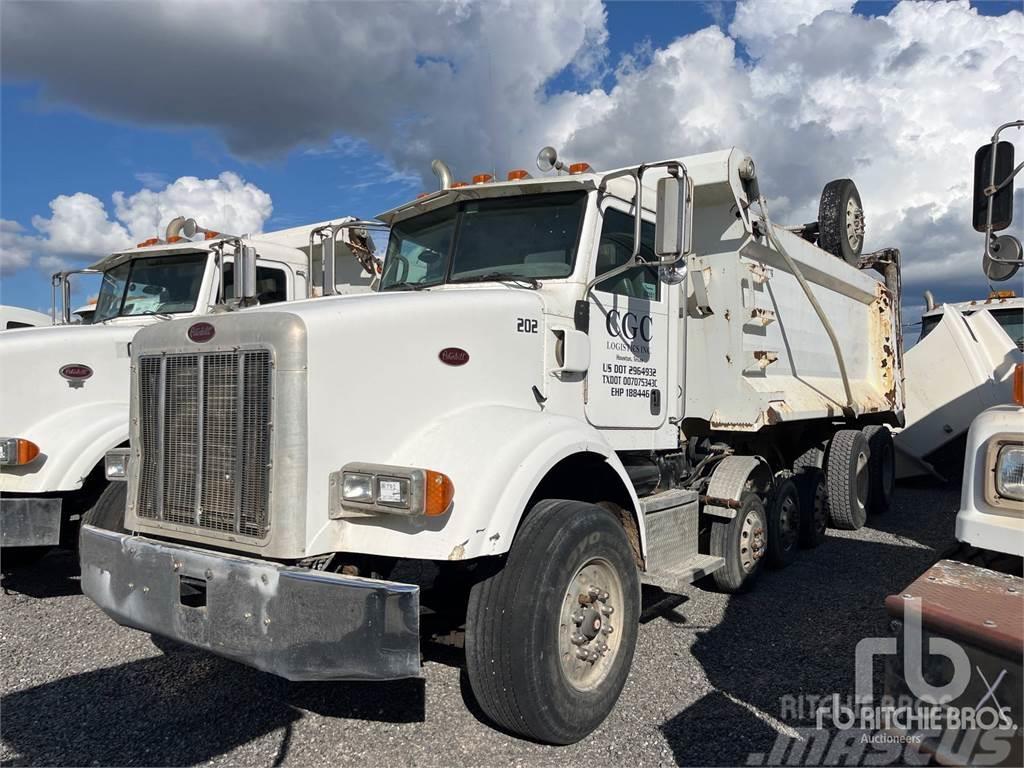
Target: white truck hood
<point>39,404</point>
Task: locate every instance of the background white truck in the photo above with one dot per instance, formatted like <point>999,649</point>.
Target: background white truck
<point>573,384</point>
<point>968,608</point>
<point>64,388</point>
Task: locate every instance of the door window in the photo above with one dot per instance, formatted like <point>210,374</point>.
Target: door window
<point>615,248</point>
<point>271,284</point>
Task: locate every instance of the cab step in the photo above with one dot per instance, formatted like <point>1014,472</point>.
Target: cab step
<point>673,562</point>
<point>676,579</point>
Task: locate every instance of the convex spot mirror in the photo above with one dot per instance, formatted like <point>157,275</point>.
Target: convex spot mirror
<point>1002,201</point>
<point>1005,261</point>
<point>670,225</point>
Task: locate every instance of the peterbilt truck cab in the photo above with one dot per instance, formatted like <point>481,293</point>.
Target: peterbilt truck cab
<point>565,386</point>
<point>64,387</point>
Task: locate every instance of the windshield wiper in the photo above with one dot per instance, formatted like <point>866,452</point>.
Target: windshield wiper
<point>506,277</point>
<point>161,315</point>
<point>408,286</point>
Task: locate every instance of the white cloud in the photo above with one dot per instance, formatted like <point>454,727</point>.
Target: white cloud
<point>896,102</point>
<point>760,23</point>
<point>227,203</point>
<point>15,253</point>
<point>79,227</point>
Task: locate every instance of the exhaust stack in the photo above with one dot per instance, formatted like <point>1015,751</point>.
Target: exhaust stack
<point>443,173</point>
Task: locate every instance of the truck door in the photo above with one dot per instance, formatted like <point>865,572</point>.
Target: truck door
<point>628,376</point>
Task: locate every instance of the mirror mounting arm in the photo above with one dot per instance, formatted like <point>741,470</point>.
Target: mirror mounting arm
<point>992,188</point>
<point>675,168</point>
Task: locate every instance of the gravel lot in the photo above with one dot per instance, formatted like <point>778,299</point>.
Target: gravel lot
<point>705,687</point>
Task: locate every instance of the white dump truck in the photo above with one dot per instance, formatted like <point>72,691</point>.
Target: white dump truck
<point>568,386</point>
<point>64,388</point>
<point>967,610</point>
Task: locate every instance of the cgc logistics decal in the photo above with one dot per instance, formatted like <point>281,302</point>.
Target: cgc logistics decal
<point>631,335</point>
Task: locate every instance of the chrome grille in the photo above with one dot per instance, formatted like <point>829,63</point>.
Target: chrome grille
<point>205,428</point>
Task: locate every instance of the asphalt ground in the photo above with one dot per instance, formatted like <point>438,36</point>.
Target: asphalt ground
<point>712,683</point>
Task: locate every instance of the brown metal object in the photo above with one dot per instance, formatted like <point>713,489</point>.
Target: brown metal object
<point>977,605</point>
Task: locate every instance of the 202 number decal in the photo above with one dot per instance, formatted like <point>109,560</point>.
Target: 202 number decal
<point>526,325</point>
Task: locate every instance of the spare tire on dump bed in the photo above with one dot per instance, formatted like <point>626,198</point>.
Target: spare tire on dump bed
<point>841,221</point>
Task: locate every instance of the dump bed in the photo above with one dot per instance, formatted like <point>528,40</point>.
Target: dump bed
<point>756,351</point>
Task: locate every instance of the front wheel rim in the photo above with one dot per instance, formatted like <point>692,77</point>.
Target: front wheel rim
<point>589,636</point>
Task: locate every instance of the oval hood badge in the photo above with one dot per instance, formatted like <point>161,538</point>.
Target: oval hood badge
<point>76,372</point>
<point>200,332</point>
<point>453,356</point>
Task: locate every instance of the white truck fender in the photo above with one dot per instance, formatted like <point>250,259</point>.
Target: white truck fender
<point>497,456</point>
<point>84,434</point>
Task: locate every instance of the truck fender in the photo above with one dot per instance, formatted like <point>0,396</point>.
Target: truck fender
<point>73,442</point>
<point>728,482</point>
<point>497,457</point>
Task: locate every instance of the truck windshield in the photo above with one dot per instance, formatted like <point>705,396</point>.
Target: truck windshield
<point>1011,320</point>
<point>151,285</point>
<point>528,236</point>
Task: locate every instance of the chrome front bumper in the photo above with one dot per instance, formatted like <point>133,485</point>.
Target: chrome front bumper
<point>293,622</point>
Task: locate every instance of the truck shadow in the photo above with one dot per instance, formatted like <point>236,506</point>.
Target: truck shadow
<point>172,710</point>
<point>55,574</point>
<point>793,637</point>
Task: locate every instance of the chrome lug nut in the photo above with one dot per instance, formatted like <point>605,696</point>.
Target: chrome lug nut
<point>607,610</point>
<point>578,639</point>
<point>582,654</point>
<point>594,593</point>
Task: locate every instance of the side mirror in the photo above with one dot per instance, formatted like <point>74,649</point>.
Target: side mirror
<point>245,274</point>
<point>670,225</point>
<point>1002,201</point>
<point>1005,259</point>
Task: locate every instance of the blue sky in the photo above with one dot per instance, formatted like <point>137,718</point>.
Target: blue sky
<point>50,147</point>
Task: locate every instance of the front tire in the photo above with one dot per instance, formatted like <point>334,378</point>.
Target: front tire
<point>550,637</point>
<point>108,511</point>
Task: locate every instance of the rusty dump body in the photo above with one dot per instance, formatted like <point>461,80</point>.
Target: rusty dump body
<point>982,612</point>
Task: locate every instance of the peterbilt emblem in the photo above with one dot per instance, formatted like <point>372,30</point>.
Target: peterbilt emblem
<point>200,332</point>
<point>76,372</point>
<point>453,356</point>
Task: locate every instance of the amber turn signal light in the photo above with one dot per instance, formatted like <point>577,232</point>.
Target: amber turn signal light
<point>438,493</point>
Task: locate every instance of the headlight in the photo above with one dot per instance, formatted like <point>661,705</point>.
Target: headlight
<point>15,451</point>
<point>357,487</point>
<point>115,464</point>
<point>1010,472</point>
<point>374,488</point>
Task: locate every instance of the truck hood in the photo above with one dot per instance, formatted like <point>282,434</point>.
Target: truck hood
<point>32,389</point>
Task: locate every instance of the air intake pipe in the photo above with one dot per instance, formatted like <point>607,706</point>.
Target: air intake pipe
<point>174,228</point>
<point>443,173</point>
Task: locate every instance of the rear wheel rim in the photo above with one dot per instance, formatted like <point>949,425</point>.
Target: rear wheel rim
<point>588,633</point>
<point>751,540</point>
<point>861,481</point>
<point>789,523</point>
